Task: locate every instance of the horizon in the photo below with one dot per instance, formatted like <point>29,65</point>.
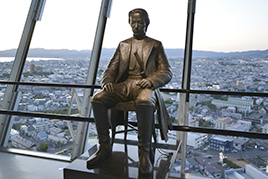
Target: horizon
<point>220,26</point>
<point>115,48</point>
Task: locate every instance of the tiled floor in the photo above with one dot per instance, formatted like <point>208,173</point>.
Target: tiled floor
<point>14,166</point>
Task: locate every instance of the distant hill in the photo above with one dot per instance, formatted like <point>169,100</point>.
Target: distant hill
<point>65,53</point>
<point>40,52</point>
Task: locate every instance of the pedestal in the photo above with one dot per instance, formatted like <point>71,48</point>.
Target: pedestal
<point>122,164</point>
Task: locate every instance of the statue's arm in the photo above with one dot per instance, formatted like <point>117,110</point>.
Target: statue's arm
<point>163,73</point>
<point>110,73</point>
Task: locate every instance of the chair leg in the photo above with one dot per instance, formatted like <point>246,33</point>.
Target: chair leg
<point>154,134</point>
<point>125,124</point>
<point>113,136</point>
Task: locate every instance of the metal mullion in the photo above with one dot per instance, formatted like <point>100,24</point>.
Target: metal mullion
<point>184,98</point>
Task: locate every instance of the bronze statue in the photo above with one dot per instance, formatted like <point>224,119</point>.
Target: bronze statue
<point>136,71</point>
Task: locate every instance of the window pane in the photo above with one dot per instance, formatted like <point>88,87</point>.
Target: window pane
<point>167,24</point>
<point>218,156</point>
<point>59,54</point>
<point>239,113</point>
<point>13,16</point>
<point>232,38</point>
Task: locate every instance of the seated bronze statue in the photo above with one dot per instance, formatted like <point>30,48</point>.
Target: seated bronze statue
<point>136,71</point>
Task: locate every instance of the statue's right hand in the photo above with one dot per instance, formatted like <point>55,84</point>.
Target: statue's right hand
<point>109,88</point>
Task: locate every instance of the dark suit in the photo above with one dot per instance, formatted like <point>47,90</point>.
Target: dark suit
<point>156,68</point>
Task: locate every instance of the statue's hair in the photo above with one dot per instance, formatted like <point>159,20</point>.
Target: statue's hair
<point>141,11</point>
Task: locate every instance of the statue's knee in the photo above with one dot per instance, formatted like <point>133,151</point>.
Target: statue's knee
<point>97,97</point>
<point>144,101</point>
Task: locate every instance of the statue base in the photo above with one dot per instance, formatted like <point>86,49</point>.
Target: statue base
<point>123,163</point>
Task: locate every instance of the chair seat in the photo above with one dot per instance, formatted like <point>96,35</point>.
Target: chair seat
<point>126,106</point>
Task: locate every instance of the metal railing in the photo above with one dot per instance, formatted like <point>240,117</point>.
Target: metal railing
<point>174,127</point>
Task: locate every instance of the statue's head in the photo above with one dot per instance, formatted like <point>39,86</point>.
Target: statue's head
<point>139,21</point>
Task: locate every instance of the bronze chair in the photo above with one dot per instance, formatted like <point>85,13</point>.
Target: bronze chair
<point>122,119</point>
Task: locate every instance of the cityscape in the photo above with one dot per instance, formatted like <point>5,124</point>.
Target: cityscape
<point>207,155</point>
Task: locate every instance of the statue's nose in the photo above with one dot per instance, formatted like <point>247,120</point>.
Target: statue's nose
<point>136,25</point>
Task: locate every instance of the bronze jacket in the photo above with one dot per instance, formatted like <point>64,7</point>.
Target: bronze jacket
<point>156,67</point>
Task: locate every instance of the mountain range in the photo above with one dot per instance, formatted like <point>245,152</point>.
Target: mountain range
<point>65,53</point>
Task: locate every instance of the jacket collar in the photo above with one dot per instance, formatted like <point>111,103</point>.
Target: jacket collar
<point>147,49</point>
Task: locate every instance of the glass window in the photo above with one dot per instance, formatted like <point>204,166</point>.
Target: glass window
<point>13,16</point>
<point>59,53</point>
<point>242,154</point>
<point>231,40</point>
<point>167,24</point>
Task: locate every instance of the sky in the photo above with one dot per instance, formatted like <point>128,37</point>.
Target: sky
<point>220,25</point>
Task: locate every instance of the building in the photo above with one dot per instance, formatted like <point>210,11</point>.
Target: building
<point>45,126</point>
<point>22,143</point>
<point>241,125</point>
<point>18,120</point>
<point>38,69</point>
<point>13,133</point>
<point>263,110</point>
<point>41,135</point>
<point>265,129</point>
<point>193,122</point>
<point>35,68</point>
<point>236,174</point>
<point>193,164</point>
<point>212,171</point>
<point>56,139</point>
<point>32,67</point>
<point>242,105</point>
<point>220,143</point>
<point>202,162</point>
<point>227,113</point>
<point>239,144</point>
<point>223,123</point>
<point>31,131</point>
<point>256,118</point>
<point>241,100</point>
<point>255,172</point>
<point>56,132</point>
<point>196,140</point>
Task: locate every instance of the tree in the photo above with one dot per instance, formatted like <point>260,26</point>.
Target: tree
<point>204,123</point>
<point>59,143</point>
<point>191,107</point>
<point>211,106</point>
<point>168,101</point>
<point>43,146</point>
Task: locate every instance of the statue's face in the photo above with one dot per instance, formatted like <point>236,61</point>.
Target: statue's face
<point>138,24</point>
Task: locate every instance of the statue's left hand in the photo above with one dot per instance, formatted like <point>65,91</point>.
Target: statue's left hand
<point>109,88</point>
<point>144,83</point>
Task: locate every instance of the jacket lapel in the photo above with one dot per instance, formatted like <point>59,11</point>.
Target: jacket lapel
<point>147,50</point>
<point>125,52</point>
<point>125,48</point>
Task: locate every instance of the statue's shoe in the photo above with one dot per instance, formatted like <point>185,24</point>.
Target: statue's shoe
<point>99,156</point>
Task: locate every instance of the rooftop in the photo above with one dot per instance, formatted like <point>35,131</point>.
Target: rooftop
<point>23,142</point>
<point>220,138</point>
